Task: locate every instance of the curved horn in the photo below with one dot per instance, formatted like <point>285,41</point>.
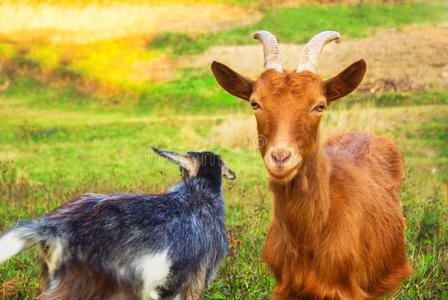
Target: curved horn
<point>271,50</point>
<point>311,52</point>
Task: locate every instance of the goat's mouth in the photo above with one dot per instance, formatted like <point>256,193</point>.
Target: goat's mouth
<point>281,174</point>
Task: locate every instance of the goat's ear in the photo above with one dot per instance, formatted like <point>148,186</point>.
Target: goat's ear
<point>231,81</point>
<point>184,161</point>
<point>345,82</point>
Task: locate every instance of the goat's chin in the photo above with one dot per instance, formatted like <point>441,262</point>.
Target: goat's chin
<point>282,176</point>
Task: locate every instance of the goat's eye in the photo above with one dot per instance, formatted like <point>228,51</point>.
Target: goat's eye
<point>255,105</point>
<point>319,108</point>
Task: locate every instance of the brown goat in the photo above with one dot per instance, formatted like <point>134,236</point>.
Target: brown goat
<point>337,231</point>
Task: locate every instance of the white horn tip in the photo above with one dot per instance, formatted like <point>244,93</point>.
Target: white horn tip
<point>260,33</point>
<point>332,35</point>
<point>311,51</point>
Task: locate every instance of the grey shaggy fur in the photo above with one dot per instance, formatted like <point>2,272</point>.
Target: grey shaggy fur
<point>103,237</point>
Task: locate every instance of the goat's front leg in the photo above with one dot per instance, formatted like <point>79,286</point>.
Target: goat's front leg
<point>192,292</point>
<point>195,287</point>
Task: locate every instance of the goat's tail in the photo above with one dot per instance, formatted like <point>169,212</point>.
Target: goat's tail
<point>25,234</point>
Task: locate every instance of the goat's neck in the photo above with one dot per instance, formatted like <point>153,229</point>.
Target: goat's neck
<point>301,207</point>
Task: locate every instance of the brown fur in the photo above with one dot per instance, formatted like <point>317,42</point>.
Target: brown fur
<point>337,231</point>
<point>195,287</point>
<point>80,283</point>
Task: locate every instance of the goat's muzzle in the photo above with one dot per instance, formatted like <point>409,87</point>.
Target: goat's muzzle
<point>282,163</point>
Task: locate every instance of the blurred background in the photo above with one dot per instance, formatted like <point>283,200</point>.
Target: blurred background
<point>86,87</point>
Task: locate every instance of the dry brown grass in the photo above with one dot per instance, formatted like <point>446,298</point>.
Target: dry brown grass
<point>235,132</point>
<point>411,59</point>
<point>69,23</point>
<point>377,120</point>
<point>10,288</point>
<point>239,131</point>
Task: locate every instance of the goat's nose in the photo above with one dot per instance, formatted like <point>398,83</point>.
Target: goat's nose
<point>280,156</point>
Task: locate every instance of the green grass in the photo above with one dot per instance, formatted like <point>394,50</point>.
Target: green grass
<point>190,94</point>
<point>55,146</point>
<point>194,92</point>
<point>299,24</point>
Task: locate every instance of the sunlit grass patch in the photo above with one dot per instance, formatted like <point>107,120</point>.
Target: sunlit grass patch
<point>111,62</point>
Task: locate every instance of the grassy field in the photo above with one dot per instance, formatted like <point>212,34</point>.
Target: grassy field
<point>58,140</point>
<point>51,154</point>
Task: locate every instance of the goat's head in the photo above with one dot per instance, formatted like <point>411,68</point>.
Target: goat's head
<point>288,106</point>
<point>194,164</point>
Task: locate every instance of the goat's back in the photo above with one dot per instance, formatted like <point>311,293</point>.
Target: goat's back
<point>379,156</point>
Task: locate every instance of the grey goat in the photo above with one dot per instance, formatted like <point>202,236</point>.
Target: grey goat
<point>133,246</point>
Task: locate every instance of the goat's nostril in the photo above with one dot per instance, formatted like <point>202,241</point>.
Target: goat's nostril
<point>280,157</point>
